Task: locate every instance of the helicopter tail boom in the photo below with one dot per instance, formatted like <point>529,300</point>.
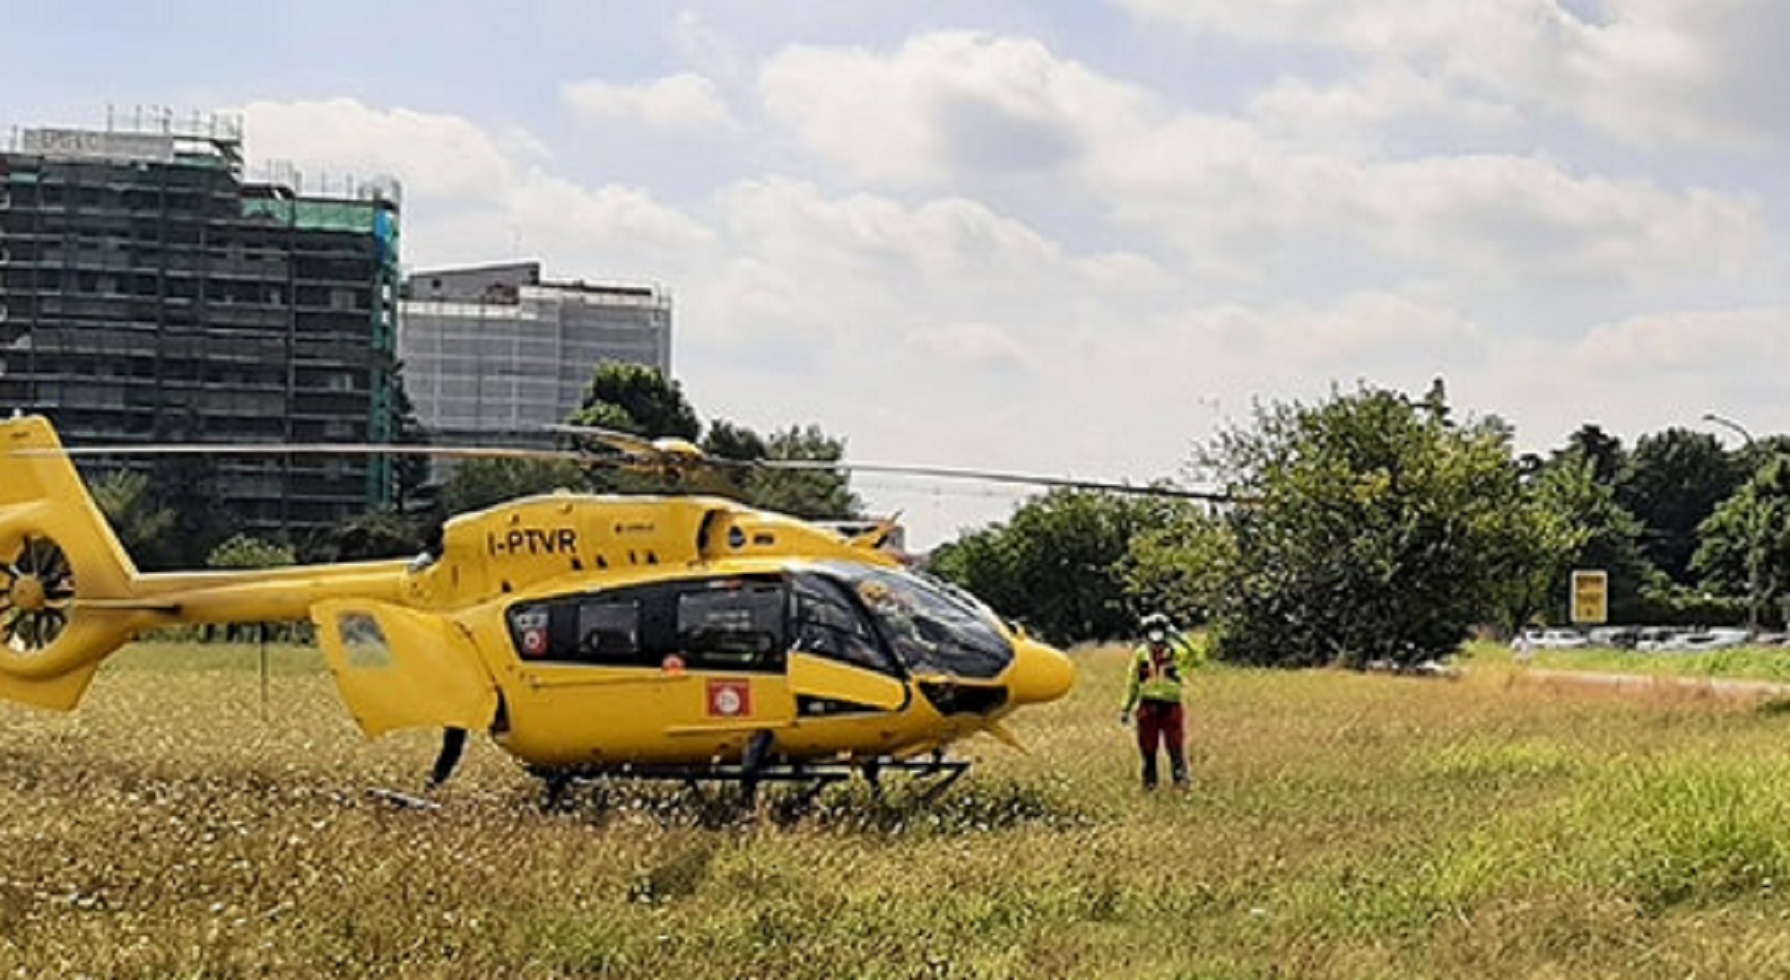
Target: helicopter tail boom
<point>53,541</point>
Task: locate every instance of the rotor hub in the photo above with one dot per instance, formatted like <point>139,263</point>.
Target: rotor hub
<point>28,594</point>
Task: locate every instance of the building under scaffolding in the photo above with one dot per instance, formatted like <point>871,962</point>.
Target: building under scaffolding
<point>148,293</point>
<point>493,351</point>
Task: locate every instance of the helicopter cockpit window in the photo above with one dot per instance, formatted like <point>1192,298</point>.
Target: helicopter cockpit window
<point>829,624</point>
<point>932,630</point>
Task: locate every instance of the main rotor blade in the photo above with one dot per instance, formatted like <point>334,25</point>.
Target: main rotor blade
<point>993,476</point>
<point>311,449</point>
<point>626,442</point>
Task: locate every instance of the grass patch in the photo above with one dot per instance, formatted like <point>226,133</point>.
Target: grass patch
<point>1748,663</point>
<point>1341,826</point>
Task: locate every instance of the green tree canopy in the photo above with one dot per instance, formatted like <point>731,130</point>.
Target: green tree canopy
<point>1603,452</point>
<point>1176,568</point>
<point>410,473</point>
<point>728,440</point>
<point>1585,528</point>
<point>1752,526</point>
<point>817,494</point>
<point>366,537</point>
<point>142,525</point>
<point>1673,481</point>
<point>1383,531</point>
<point>638,399</point>
<point>247,551</point>
<point>479,483</point>
<point>1058,564</point>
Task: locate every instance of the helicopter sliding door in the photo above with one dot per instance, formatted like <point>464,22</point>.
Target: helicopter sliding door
<point>676,672</point>
<point>399,668</point>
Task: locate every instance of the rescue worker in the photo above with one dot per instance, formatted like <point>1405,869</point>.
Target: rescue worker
<point>1153,694</point>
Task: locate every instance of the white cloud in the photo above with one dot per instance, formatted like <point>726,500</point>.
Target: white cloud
<point>942,106</point>
<point>685,101</point>
<point>1255,198</point>
<point>1694,74</point>
<point>475,196</point>
<point>972,345</point>
<point>433,154</point>
<point>1364,328</point>
<point>1361,109</point>
<point>1732,341</point>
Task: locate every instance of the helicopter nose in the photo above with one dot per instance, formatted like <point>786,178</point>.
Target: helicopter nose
<point>1040,673</point>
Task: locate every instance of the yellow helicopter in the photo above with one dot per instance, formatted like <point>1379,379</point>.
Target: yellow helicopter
<point>686,637</point>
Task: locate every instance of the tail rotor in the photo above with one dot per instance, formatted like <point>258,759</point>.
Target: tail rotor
<point>37,586</point>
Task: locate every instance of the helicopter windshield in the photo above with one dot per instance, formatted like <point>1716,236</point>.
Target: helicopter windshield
<point>931,629</point>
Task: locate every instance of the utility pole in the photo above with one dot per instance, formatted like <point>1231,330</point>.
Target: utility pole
<point>1755,529</point>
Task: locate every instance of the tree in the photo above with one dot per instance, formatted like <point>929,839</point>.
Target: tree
<point>1583,528</point>
<point>410,473</point>
<point>1382,531</point>
<point>1752,526</point>
<point>246,551</point>
<point>478,483</point>
<point>366,537</point>
<point>1673,482</point>
<point>1590,444</point>
<point>813,494</point>
<point>203,518</point>
<point>727,440</point>
<point>1176,568</point>
<point>638,399</point>
<point>1058,563</point>
<point>141,525</point>
<point>641,401</point>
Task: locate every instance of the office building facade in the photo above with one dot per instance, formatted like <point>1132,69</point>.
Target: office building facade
<point>150,294</point>
<point>495,351</point>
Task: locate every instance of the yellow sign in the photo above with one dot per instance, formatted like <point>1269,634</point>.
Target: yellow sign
<point>1590,596</point>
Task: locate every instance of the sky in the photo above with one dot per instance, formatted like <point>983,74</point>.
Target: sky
<point>1074,239</point>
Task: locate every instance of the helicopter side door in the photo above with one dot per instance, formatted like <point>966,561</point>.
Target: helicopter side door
<point>678,672</point>
<point>399,668</point>
<point>837,665</point>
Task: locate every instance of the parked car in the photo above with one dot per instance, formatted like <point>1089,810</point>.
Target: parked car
<point>1552,639</point>
<point>1693,642</point>
<point>1617,637</point>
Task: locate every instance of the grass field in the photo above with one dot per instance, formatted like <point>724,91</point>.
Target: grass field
<point>1752,663</point>
<point>1341,826</point>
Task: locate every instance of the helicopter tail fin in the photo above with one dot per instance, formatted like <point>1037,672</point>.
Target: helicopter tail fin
<point>65,581</point>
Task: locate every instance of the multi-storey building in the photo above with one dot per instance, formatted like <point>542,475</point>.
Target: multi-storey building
<point>495,350</point>
<point>148,293</point>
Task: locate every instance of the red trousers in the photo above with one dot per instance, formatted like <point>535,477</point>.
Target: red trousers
<point>1164,724</point>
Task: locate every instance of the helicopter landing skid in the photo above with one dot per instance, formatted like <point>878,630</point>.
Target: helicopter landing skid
<point>937,767</point>
<point>940,770</point>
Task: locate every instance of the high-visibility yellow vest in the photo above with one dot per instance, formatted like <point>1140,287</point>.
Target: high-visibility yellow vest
<point>1157,674</point>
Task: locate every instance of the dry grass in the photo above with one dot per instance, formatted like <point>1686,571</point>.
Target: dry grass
<point>1341,826</point>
